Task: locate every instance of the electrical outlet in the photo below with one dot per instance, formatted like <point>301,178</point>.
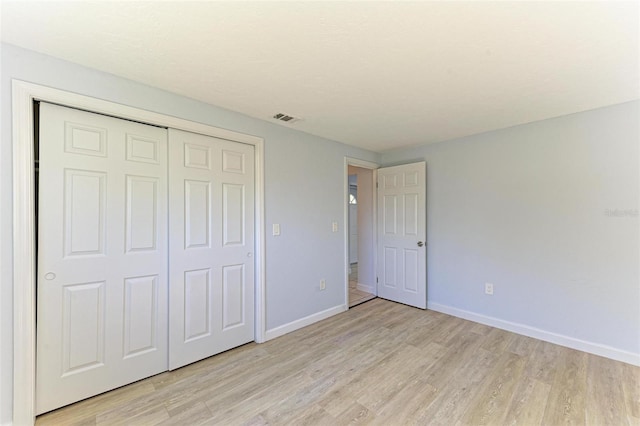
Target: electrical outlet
<point>488,289</point>
<point>276,229</point>
<point>323,284</point>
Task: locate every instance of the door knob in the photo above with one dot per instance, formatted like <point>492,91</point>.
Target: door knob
<point>49,276</point>
<point>420,243</point>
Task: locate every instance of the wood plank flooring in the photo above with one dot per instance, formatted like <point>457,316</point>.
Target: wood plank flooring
<point>356,296</point>
<point>380,363</point>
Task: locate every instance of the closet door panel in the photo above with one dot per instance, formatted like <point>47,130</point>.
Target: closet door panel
<point>102,254</point>
<point>211,198</point>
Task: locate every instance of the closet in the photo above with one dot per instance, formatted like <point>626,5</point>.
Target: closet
<point>145,246</point>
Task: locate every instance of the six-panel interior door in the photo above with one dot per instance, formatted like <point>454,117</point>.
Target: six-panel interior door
<point>401,234</point>
<point>102,253</point>
<point>211,199</point>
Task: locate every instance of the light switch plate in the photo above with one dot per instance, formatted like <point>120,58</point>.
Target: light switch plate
<point>276,229</point>
<point>334,226</point>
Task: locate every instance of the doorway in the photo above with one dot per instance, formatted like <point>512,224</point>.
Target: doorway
<point>393,249</point>
<point>361,230</point>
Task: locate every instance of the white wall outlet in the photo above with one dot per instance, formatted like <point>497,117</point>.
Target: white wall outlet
<point>488,289</point>
<point>334,226</point>
<point>323,284</point>
<point>276,229</point>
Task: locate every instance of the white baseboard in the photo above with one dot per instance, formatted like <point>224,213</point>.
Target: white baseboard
<point>365,288</point>
<point>547,336</point>
<point>303,322</point>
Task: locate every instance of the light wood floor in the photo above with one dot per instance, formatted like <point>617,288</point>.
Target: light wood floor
<point>380,363</point>
<point>356,296</point>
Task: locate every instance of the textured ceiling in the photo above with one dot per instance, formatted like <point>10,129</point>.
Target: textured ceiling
<point>375,75</point>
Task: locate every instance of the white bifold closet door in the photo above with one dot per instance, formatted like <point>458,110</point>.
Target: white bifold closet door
<point>102,255</point>
<point>211,199</point>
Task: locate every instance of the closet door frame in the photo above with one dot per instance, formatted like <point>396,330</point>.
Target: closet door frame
<point>24,237</point>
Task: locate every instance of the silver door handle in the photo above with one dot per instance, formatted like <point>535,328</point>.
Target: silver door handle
<point>420,243</point>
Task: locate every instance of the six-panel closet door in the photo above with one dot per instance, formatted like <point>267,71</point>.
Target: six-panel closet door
<point>102,255</point>
<point>119,298</point>
<point>211,209</point>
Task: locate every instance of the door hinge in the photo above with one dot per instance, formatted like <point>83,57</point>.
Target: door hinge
<point>376,280</point>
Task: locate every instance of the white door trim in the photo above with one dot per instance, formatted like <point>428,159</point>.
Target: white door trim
<point>348,161</point>
<point>24,253</point>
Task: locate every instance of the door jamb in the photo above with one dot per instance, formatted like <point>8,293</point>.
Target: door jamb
<point>24,254</point>
<point>348,161</point>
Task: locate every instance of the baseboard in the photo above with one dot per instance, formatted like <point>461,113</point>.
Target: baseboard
<point>303,322</point>
<point>547,336</point>
<point>366,288</point>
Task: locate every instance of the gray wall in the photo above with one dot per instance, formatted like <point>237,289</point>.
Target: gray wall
<point>526,208</point>
<point>304,178</point>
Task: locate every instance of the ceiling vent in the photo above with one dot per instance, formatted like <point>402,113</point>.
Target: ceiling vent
<point>286,118</point>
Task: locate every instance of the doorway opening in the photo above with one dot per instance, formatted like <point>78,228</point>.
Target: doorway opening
<point>361,233</point>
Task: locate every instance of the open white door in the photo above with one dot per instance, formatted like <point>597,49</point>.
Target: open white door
<point>102,252</point>
<point>402,260</point>
<point>211,199</point>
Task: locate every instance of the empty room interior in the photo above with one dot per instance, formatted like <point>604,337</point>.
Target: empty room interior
<point>320,213</point>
